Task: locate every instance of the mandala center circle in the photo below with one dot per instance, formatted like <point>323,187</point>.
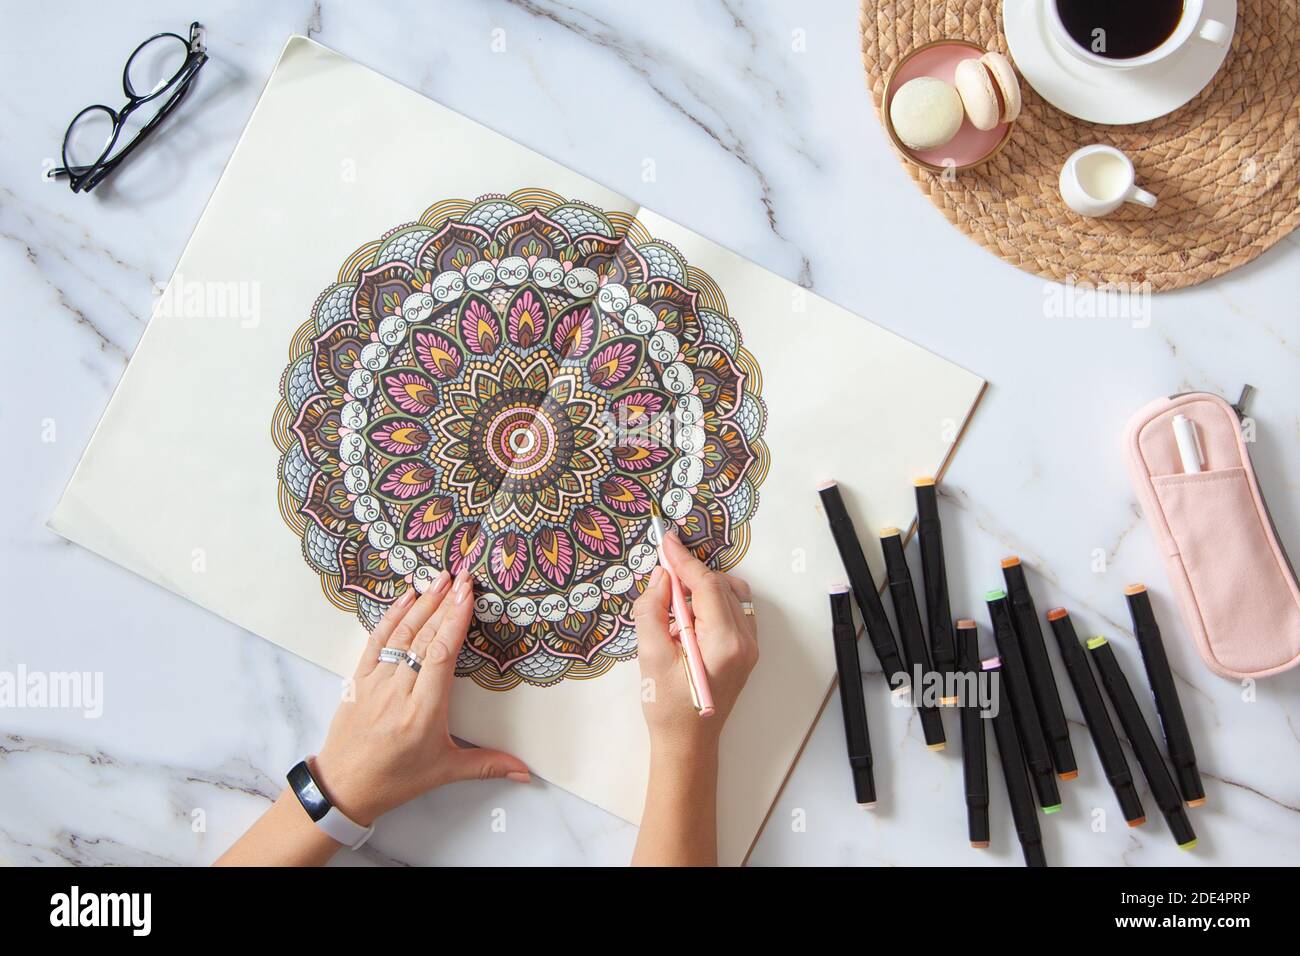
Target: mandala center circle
<point>521,440</point>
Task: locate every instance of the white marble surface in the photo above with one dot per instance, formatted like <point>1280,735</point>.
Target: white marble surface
<point>772,150</point>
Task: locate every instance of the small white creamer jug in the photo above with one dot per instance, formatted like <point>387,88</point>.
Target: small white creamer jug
<point>1096,179</point>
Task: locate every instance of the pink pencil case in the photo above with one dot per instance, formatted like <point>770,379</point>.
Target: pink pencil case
<point>1235,585</point>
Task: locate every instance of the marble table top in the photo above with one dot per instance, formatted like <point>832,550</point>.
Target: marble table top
<point>749,123</point>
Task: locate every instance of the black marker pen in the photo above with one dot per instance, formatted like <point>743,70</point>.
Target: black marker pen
<point>1021,700</point>
<point>974,746</point>
<point>865,592</point>
<point>1178,741</point>
<point>915,655</point>
<point>1047,699</point>
<point>856,735</point>
<point>1013,769</point>
<point>1104,738</point>
<point>1139,735</point>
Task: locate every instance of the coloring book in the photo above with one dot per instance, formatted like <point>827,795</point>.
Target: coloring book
<point>399,342</point>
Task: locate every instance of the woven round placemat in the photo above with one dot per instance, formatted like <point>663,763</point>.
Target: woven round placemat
<point>1224,165</point>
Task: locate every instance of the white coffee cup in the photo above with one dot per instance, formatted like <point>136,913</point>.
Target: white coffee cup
<point>1190,26</point>
<point>1096,180</point>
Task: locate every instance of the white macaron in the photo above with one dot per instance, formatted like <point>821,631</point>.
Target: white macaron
<point>926,112</point>
<point>989,90</point>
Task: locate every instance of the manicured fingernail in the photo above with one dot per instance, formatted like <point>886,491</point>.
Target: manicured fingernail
<point>520,776</point>
<point>440,581</point>
<point>406,600</point>
<point>655,575</point>
<point>464,585</point>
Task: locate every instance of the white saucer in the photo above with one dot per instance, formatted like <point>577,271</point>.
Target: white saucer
<point>1100,95</point>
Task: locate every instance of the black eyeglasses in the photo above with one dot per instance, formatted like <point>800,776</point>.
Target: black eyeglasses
<point>98,139</point>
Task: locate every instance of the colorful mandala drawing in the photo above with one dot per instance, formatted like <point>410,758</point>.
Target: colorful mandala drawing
<point>504,386</point>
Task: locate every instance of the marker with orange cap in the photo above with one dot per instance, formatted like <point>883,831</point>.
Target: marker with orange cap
<point>1104,737</point>
<point>1178,741</point>
<point>1047,699</point>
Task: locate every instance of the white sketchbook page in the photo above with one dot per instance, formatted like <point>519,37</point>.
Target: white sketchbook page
<point>179,481</point>
<point>846,400</point>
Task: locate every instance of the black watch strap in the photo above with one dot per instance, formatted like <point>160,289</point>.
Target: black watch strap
<point>308,792</point>
<point>324,814</point>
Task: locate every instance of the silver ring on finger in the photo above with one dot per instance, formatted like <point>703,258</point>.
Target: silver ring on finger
<point>411,661</point>
<point>747,608</point>
<point>391,655</point>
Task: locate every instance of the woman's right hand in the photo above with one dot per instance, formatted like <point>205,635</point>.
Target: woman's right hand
<point>728,640</point>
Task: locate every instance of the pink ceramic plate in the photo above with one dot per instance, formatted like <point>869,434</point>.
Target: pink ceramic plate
<point>970,146</point>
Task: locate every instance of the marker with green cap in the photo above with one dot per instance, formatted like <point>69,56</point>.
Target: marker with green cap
<point>1021,697</point>
<point>1159,779</point>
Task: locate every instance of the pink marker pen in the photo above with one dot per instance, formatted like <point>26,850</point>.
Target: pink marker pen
<point>696,676</point>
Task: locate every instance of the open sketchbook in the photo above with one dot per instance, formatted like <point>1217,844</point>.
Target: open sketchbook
<point>398,341</point>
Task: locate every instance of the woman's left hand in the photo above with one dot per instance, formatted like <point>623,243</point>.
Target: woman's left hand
<point>388,743</point>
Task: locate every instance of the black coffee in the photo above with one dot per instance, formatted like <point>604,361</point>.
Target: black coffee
<point>1120,29</point>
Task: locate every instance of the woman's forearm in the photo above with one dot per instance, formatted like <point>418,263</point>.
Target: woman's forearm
<point>680,824</point>
<point>283,836</point>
